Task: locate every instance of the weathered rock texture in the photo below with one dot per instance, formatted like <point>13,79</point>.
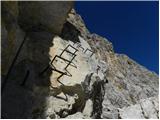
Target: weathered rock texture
<point>48,15</point>
<point>145,109</point>
<point>99,85</point>
<point>20,18</point>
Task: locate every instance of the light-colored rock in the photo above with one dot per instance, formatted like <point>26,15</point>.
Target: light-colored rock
<point>77,115</point>
<point>144,109</point>
<point>105,85</point>
<point>155,101</point>
<point>78,74</point>
<point>149,109</point>
<point>133,112</point>
<point>87,111</point>
<point>128,82</point>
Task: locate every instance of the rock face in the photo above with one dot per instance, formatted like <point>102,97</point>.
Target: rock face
<point>127,81</point>
<point>20,18</point>
<point>146,108</point>
<point>48,16</point>
<point>74,74</point>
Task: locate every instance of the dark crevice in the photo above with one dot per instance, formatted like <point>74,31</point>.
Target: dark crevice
<point>97,98</point>
<point>70,32</point>
<point>25,78</point>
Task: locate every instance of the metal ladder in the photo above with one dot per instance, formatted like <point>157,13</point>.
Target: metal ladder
<point>69,63</point>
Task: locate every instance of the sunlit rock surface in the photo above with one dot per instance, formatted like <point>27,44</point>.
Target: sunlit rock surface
<point>146,108</point>
<point>98,83</point>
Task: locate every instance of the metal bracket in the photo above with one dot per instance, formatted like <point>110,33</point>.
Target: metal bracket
<point>66,50</point>
<point>92,52</point>
<point>79,46</point>
<point>67,73</point>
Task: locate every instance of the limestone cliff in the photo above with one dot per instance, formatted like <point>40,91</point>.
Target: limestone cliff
<point>127,82</point>
<point>68,72</point>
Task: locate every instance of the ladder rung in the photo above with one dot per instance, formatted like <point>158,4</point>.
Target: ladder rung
<point>53,68</point>
<point>64,73</point>
<point>72,47</point>
<point>60,58</point>
<point>70,52</point>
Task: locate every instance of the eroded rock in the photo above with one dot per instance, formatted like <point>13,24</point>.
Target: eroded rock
<point>99,85</point>
<point>49,16</point>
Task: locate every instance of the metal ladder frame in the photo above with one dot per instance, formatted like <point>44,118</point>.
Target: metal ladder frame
<point>67,73</point>
<point>90,51</point>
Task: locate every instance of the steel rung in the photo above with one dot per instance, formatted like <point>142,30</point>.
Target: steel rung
<point>64,73</point>
<point>60,58</point>
<point>68,50</point>
<point>90,51</point>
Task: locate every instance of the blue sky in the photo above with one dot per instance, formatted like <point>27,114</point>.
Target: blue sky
<point>132,27</point>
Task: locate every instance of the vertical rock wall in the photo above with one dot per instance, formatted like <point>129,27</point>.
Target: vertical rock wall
<point>20,23</point>
<point>97,82</point>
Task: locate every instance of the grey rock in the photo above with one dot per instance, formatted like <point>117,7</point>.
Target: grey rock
<point>49,15</point>
<point>78,115</point>
<point>143,109</point>
<point>128,82</point>
<point>118,88</point>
